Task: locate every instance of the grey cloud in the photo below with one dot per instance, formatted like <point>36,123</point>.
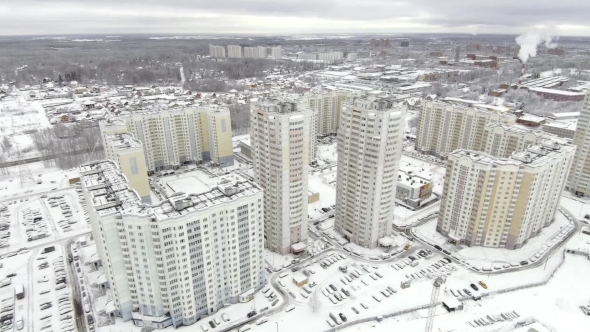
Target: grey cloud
<point>331,15</point>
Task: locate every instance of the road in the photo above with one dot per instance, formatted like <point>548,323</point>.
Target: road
<point>31,293</point>
<point>76,293</point>
<point>537,263</point>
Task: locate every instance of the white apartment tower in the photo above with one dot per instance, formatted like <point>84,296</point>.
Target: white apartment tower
<point>216,51</point>
<point>579,181</point>
<point>261,52</point>
<point>280,133</point>
<point>498,202</point>
<point>276,52</point>
<point>328,106</point>
<point>444,127</point>
<point>369,149</point>
<point>500,140</point>
<point>250,52</point>
<point>182,259</point>
<point>234,51</point>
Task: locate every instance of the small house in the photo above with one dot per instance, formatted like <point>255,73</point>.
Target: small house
<point>299,280</point>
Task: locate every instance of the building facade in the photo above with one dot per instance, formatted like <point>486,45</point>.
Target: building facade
<point>178,261</point>
<point>276,52</point>
<point>234,51</point>
<point>497,202</point>
<point>279,137</point>
<point>369,149</point>
<point>579,181</point>
<point>174,137</point>
<point>216,51</point>
<point>328,107</point>
<point>501,140</point>
<point>560,128</point>
<point>444,127</point>
<point>127,152</point>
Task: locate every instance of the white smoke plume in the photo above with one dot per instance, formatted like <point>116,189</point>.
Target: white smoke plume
<point>529,41</point>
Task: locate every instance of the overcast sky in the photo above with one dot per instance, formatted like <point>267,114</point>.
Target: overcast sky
<point>25,17</point>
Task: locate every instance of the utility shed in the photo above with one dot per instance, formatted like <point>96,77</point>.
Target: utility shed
<point>452,304</point>
<point>299,280</point>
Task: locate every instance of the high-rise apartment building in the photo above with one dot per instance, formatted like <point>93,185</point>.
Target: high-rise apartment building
<point>444,127</point>
<point>351,56</point>
<point>250,52</point>
<point>328,106</point>
<point>234,51</point>
<point>369,149</point>
<point>216,51</point>
<point>579,181</point>
<point>127,152</point>
<point>175,137</point>
<point>261,52</point>
<point>276,52</point>
<point>500,140</point>
<point>498,202</point>
<point>279,137</point>
<point>330,57</point>
<point>182,259</point>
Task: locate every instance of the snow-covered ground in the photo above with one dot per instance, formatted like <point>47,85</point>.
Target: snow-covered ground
<point>486,258</point>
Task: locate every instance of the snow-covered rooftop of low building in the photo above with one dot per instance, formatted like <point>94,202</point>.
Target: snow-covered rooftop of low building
<point>124,141</point>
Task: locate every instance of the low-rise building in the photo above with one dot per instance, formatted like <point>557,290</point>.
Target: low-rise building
<point>412,189</point>
<point>560,128</point>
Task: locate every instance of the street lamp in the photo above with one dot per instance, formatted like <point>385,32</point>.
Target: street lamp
<point>277,326</point>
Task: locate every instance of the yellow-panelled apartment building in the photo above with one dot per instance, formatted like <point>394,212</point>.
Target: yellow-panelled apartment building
<point>502,202</point>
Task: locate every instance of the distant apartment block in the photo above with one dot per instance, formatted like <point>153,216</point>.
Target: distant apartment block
<point>328,107</point>
<point>276,52</point>
<point>444,127</point>
<point>127,152</point>
<point>330,57</point>
<point>280,134</point>
<point>579,181</point>
<point>351,56</point>
<point>369,150</point>
<point>307,56</point>
<point>234,51</point>
<point>216,51</point>
<point>497,202</point>
<point>250,52</point>
<point>261,52</point>
<point>176,137</point>
<point>178,261</point>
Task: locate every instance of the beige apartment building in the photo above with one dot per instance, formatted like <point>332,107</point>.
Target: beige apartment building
<point>175,137</point>
<point>234,51</point>
<point>279,137</point>
<point>502,140</point>
<point>579,181</point>
<point>444,127</point>
<point>328,107</point>
<point>497,202</point>
<point>369,149</point>
<point>127,152</point>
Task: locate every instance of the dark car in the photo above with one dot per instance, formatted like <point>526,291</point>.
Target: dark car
<point>466,291</point>
<point>448,260</point>
<point>333,287</point>
<point>11,275</point>
<point>524,263</point>
<point>474,287</point>
<point>345,291</point>
<point>252,313</point>
<point>412,258</point>
<point>344,319</point>
<point>446,251</point>
<point>90,319</point>
<point>437,247</point>
<point>211,324</point>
